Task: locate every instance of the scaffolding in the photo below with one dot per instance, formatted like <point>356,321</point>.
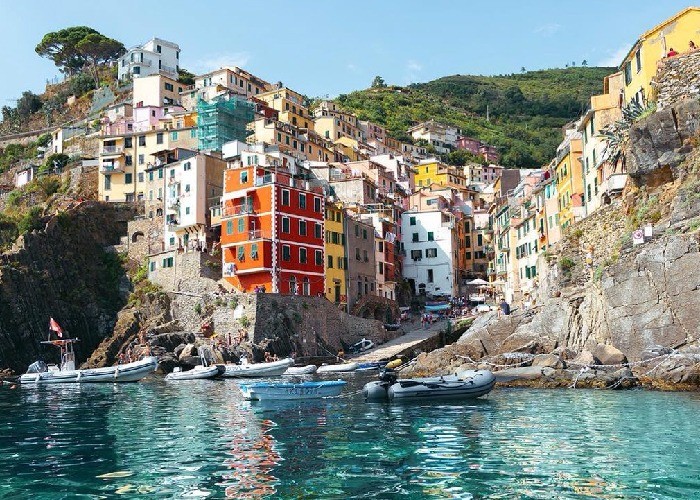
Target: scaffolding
<point>221,120</point>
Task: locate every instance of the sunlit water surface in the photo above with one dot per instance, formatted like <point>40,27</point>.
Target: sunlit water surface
<point>201,439</point>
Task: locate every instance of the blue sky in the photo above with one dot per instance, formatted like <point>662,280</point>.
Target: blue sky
<point>331,47</point>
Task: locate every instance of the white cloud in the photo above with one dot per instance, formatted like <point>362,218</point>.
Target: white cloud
<point>614,58</point>
<point>216,61</point>
<point>547,29</point>
<point>413,66</point>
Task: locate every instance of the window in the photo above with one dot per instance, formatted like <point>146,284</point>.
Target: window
<point>254,251</point>
<point>319,257</point>
<point>128,143</point>
<point>380,267</point>
<point>431,236</point>
<point>187,166</point>
<point>286,253</point>
<point>108,182</point>
<point>140,176</point>
<point>142,140</point>
<point>170,87</point>
<point>244,177</point>
<point>416,254</point>
<point>241,224</point>
<point>285,224</point>
<point>430,275</point>
<point>628,73</point>
<point>302,228</point>
<point>152,266</point>
<point>142,159</point>
<point>302,200</point>
<point>128,160</point>
<point>128,178</point>
<point>160,173</point>
<point>638,60</point>
<point>168,262</point>
<point>318,230</point>
<point>241,253</point>
<point>187,210</point>
<point>285,197</point>
<point>414,238</point>
<point>357,254</point>
<point>357,230</point>
<point>479,240</point>
<point>330,262</point>
<point>159,138</point>
<point>588,192</point>
<point>430,252</point>
<point>306,286</point>
<point>193,133</point>
<point>172,173</point>
<point>229,227</point>
<point>380,246</point>
<point>317,205</point>
<point>364,234</point>
<point>302,255</point>
<point>364,256</point>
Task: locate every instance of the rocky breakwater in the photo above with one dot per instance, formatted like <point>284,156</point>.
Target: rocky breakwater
<point>64,271</point>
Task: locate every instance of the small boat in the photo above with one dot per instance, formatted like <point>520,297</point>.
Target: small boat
<point>245,370</point>
<point>467,384</point>
<point>198,372</point>
<point>284,390</point>
<point>41,373</point>
<point>301,370</point>
<point>343,367</point>
<point>370,365</point>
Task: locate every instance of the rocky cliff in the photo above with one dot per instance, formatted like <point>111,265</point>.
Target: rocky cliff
<point>64,271</point>
<point>632,312</point>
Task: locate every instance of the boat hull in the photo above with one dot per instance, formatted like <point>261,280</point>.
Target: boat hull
<point>290,391</point>
<point>129,372</point>
<point>345,367</point>
<point>272,369</point>
<point>468,384</point>
<point>197,373</point>
<point>301,370</point>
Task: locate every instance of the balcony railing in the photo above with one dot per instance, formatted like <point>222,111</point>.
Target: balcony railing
<point>109,168</point>
<point>228,211</point>
<point>110,150</point>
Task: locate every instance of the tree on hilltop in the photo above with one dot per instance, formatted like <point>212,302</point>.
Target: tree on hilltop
<point>73,49</point>
<point>378,82</point>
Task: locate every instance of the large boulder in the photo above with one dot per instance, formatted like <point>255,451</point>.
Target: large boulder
<point>584,358</point>
<point>608,355</point>
<point>548,360</point>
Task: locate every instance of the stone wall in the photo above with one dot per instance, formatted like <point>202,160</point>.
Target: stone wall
<point>145,237</point>
<point>678,78</point>
<point>187,272</point>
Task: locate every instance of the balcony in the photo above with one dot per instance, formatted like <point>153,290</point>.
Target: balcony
<point>111,168</point>
<point>259,234</point>
<point>143,62</point>
<point>111,150</point>
<point>228,211</point>
<point>615,183</point>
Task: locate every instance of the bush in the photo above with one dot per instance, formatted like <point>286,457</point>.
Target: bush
<point>81,84</point>
<point>43,140</point>
<point>198,308</point>
<point>48,185</point>
<point>30,221</point>
<point>13,198</point>
<point>566,264</point>
<point>244,321</point>
<point>55,162</point>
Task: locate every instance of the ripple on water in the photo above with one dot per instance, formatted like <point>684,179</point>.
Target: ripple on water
<point>160,440</point>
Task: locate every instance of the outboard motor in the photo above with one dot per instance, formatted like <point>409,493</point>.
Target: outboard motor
<point>38,367</point>
<point>379,389</point>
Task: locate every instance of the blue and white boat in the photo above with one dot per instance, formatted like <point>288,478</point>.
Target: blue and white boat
<point>263,391</point>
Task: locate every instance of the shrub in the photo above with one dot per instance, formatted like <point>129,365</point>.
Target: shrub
<point>141,273</point>
<point>48,185</point>
<point>13,198</point>
<point>55,162</point>
<point>233,303</point>
<point>198,308</point>
<point>566,264</point>
<point>244,321</point>
<point>30,221</point>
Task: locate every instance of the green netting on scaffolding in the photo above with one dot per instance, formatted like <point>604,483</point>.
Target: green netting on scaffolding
<point>222,120</point>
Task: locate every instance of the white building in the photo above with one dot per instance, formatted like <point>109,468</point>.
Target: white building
<point>526,253</point>
<point>192,186</point>
<point>442,137</point>
<point>430,245</point>
<point>153,57</point>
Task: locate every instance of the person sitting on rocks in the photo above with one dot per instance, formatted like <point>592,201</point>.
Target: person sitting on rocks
<point>671,53</point>
<point>691,45</point>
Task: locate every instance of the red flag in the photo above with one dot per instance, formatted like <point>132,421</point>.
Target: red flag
<point>55,327</point>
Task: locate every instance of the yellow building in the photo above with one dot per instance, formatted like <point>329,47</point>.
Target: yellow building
<point>639,65</point>
<point>290,106</point>
<point>432,171</point>
<point>124,158</point>
<point>332,123</point>
<point>569,175</point>
<point>290,139</point>
<point>336,261</point>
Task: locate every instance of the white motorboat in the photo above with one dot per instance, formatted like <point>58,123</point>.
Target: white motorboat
<point>467,384</point>
<point>271,369</point>
<point>284,390</point>
<point>41,373</point>
<point>343,367</point>
<point>198,372</point>
<point>301,370</point>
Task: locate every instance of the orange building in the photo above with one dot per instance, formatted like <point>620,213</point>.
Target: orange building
<point>272,230</point>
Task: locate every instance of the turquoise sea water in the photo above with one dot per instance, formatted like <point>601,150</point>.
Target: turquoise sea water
<point>200,439</point>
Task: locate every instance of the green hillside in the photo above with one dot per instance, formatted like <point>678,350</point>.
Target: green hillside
<point>526,110</point>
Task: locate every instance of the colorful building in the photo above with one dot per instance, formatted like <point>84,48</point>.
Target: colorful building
<point>569,175</point>
<point>432,171</point>
<point>336,255</point>
<point>290,106</point>
<point>272,233</point>
<point>640,63</point>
